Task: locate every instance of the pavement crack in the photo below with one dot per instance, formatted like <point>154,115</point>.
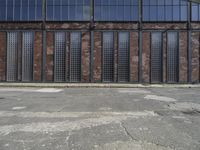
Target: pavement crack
<point>126,131</point>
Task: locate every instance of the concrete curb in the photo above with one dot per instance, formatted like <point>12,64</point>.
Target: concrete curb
<point>98,85</point>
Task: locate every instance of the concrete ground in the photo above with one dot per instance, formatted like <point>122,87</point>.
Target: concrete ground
<point>100,119</point>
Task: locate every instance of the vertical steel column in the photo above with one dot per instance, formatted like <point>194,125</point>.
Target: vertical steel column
<point>140,43</point>
<point>189,43</point>
<point>43,40</point>
<point>91,39</point>
<point>91,55</point>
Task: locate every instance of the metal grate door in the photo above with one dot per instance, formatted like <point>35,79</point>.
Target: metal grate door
<point>172,57</point>
<point>27,56</point>
<point>108,57</point>
<point>75,57</point>
<point>123,57</point>
<point>156,57</point>
<point>12,46</point>
<point>60,56</point>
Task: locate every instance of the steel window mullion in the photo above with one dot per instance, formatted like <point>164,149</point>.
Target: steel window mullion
<point>28,10</point>
<point>61,9</point>
<point>35,10</point>
<point>53,10</point>
<point>20,9</point>
<point>13,17</point>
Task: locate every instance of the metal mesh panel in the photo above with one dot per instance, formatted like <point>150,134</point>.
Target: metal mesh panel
<point>172,57</point>
<point>123,57</point>
<point>60,56</point>
<point>27,56</point>
<point>75,57</point>
<point>12,46</point>
<point>108,57</point>
<point>156,57</point>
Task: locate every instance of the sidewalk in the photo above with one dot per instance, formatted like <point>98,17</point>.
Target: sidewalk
<point>98,85</point>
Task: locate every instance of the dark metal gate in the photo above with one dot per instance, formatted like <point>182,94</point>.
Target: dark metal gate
<point>123,57</point>
<point>156,57</point>
<point>12,51</point>
<point>27,56</point>
<point>60,57</point>
<point>108,57</point>
<point>75,57</point>
<point>172,57</point>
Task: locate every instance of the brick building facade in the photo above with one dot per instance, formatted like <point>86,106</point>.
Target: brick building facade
<point>101,51</point>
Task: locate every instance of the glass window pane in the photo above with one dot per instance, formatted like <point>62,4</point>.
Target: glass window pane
<point>176,13</point>
<point>195,13</point>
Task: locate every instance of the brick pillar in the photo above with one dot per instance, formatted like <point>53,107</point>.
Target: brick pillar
<point>164,57</point>
<point>146,57</point>
<point>195,57</point>
<point>38,56</point>
<point>85,56</point>
<point>183,63</point>
<point>3,56</point>
<point>50,56</point>
<point>134,56</point>
<point>115,56</point>
<point>97,57</point>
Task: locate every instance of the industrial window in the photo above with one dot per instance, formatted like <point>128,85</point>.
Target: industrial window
<point>12,48</point>
<point>123,57</point>
<point>27,56</point>
<point>75,57</point>
<point>156,57</point>
<point>172,57</point>
<point>60,57</point>
<point>116,10</point>
<point>195,12</point>
<point>20,10</point>
<point>68,10</point>
<point>108,57</point>
<point>164,10</point>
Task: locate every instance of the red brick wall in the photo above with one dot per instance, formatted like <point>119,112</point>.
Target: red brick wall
<point>38,56</point>
<point>86,56</point>
<point>195,56</point>
<point>146,57</point>
<point>97,57</point>
<point>50,57</point>
<point>134,56</point>
<point>165,57</point>
<point>183,63</point>
<point>97,60</point>
<point>2,56</point>
<point>115,56</point>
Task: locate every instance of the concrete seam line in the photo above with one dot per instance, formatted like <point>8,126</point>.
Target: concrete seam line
<point>101,85</point>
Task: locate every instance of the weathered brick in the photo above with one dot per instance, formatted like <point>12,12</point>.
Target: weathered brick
<point>164,57</point>
<point>195,57</point>
<point>38,56</point>
<point>86,56</point>
<point>50,57</point>
<point>97,57</point>
<point>146,57</point>
<point>2,56</point>
<point>134,56</point>
<point>183,63</point>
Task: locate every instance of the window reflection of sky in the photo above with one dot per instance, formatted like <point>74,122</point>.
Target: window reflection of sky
<point>104,10</point>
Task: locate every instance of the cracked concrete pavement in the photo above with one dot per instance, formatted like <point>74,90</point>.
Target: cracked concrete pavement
<point>99,119</point>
